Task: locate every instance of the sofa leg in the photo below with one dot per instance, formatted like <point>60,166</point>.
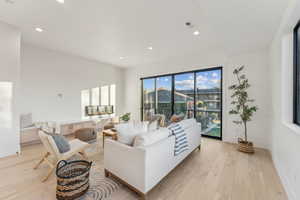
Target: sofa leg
<point>199,147</point>
<point>106,173</point>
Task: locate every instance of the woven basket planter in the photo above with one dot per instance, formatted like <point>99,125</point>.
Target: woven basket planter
<point>72,179</point>
<point>245,147</point>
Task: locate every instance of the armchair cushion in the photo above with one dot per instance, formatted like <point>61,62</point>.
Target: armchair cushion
<point>61,142</point>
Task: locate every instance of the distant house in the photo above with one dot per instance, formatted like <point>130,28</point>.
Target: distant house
<point>207,99</point>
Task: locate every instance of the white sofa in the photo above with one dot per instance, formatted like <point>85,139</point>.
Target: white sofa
<point>141,168</point>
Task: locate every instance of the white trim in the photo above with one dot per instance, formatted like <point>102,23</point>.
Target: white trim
<point>293,127</point>
<point>284,179</point>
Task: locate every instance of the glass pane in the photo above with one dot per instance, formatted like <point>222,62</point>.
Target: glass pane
<point>148,98</point>
<point>85,101</point>
<point>184,95</point>
<point>113,96</point>
<point>164,96</point>
<point>95,96</point>
<point>105,96</point>
<point>208,101</point>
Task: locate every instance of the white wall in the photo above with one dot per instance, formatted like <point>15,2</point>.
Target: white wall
<point>10,72</point>
<point>285,139</point>
<point>257,71</point>
<point>46,73</point>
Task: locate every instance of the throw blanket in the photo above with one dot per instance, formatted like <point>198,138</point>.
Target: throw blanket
<point>181,143</point>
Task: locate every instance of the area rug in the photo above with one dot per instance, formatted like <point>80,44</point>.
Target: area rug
<point>100,186</point>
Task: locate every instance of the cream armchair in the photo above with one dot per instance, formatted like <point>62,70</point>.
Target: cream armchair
<point>76,147</point>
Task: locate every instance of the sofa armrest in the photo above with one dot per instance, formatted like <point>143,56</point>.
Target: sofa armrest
<point>125,162</point>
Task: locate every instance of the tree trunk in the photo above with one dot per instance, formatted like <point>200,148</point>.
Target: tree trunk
<point>245,126</point>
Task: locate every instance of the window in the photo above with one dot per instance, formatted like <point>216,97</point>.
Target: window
<point>98,96</point>
<point>196,94</point>
<point>208,101</point>
<point>184,94</point>
<point>148,98</point>
<point>113,96</point>
<point>164,96</point>
<point>95,97</point>
<point>105,95</point>
<point>85,101</point>
<point>297,74</point>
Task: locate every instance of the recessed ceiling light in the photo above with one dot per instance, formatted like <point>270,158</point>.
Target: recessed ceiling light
<point>60,1</point>
<point>121,58</point>
<point>196,33</point>
<point>39,30</point>
<point>150,48</point>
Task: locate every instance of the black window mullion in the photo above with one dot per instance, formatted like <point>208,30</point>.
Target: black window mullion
<point>195,90</point>
<point>142,101</point>
<point>296,76</point>
<point>155,99</point>
<point>172,94</point>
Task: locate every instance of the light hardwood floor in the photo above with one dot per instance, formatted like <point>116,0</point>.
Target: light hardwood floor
<point>217,172</point>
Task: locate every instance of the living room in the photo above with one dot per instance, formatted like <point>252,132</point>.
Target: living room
<point>102,78</point>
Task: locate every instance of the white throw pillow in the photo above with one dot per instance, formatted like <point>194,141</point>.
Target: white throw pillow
<point>147,139</point>
<point>128,131</point>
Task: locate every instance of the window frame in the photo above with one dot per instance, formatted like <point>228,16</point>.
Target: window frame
<point>296,76</point>
<point>195,88</point>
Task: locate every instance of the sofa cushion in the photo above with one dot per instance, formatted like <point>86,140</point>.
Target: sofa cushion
<point>149,138</point>
<point>128,131</point>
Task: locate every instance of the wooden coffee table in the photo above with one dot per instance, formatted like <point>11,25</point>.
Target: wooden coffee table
<point>109,133</point>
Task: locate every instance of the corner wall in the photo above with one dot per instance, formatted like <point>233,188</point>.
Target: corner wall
<point>46,73</point>
<point>256,69</point>
<point>10,72</point>
<point>285,140</point>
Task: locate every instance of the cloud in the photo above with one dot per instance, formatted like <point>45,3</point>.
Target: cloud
<point>214,74</point>
<point>202,86</point>
<point>185,84</point>
<point>215,81</point>
<point>201,78</point>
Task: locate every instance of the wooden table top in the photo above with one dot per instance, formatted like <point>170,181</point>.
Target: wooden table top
<point>109,132</point>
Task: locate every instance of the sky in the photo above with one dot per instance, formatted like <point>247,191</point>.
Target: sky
<point>205,80</point>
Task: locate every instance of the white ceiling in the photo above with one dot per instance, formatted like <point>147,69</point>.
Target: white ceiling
<point>106,30</point>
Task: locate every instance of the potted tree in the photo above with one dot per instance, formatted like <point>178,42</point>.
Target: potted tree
<point>242,107</point>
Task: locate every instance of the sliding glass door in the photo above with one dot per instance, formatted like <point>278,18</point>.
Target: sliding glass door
<point>149,103</point>
<point>164,96</point>
<point>184,95</point>
<point>208,101</point>
<point>196,94</point>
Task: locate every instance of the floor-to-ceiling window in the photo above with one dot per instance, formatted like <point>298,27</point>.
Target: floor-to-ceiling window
<point>164,96</point>
<point>208,101</point>
<point>149,99</point>
<point>196,94</point>
<point>184,94</point>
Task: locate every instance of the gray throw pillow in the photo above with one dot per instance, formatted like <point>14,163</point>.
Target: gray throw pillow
<point>61,142</point>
